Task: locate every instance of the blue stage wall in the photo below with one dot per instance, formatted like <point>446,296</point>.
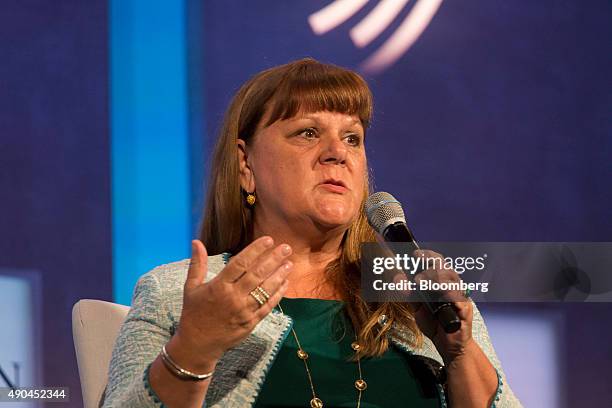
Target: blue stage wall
<point>54,171</point>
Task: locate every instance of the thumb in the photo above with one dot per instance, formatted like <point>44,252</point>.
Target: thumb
<point>198,267</point>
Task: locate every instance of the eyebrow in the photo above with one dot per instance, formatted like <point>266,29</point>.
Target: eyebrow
<point>314,118</point>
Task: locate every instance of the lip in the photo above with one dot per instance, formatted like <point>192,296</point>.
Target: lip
<point>336,186</point>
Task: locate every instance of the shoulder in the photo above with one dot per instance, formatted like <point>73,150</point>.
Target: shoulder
<point>162,287</point>
<point>172,274</point>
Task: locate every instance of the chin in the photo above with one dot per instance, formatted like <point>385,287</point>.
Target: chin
<point>336,216</point>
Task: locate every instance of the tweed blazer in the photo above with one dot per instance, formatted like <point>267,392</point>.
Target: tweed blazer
<point>240,373</point>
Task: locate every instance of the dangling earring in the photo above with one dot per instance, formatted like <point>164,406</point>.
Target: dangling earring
<point>250,199</point>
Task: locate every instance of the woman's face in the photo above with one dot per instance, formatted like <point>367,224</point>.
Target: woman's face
<point>307,169</point>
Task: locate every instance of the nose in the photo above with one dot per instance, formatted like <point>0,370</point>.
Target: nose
<point>334,152</point>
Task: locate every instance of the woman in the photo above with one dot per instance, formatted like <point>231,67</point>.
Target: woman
<point>276,317</point>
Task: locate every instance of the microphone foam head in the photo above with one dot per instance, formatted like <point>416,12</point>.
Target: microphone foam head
<point>382,210</point>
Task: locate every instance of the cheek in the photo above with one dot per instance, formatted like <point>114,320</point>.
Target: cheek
<point>293,171</point>
<point>284,175</point>
<point>360,175</point>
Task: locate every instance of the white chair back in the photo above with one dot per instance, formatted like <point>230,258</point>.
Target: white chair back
<point>95,326</point>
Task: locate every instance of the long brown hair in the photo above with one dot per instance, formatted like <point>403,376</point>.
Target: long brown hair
<point>309,86</point>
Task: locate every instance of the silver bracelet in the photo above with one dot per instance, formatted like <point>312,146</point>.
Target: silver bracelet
<point>181,372</point>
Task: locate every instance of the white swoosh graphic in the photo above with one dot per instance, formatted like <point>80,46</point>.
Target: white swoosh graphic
<point>375,23</point>
<point>402,39</point>
<point>334,14</point>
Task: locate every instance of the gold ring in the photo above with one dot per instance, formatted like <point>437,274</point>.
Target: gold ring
<point>263,292</point>
<point>258,296</point>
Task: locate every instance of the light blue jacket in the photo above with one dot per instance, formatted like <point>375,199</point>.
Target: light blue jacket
<point>240,373</point>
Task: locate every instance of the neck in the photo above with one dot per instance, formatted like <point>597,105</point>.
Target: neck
<point>311,253</point>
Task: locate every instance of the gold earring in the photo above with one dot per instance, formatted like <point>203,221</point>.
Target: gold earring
<point>250,199</point>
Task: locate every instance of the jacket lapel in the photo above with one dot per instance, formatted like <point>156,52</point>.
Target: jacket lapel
<point>404,338</point>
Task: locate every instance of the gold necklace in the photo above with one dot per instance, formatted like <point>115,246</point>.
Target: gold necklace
<point>316,402</point>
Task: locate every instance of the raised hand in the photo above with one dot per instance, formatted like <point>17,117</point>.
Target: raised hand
<point>221,313</point>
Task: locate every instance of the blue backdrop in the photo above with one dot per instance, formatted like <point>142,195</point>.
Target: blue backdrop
<point>54,172</point>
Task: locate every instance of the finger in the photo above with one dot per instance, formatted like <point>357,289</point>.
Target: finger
<point>198,265</point>
<point>451,280</point>
<point>464,309</point>
<point>426,253</point>
<point>272,284</point>
<point>402,295</point>
<point>272,302</point>
<point>433,286</point>
<point>436,275</point>
<point>429,274</point>
<point>265,265</point>
<point>430,259</point>
<point>243,260</point>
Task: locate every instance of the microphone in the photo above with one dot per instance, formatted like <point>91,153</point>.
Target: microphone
<point>386,216</point>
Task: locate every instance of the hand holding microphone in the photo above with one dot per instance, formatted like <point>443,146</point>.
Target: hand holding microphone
<point>386,216</point>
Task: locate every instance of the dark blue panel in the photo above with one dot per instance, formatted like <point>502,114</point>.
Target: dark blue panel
<point>54,170</point>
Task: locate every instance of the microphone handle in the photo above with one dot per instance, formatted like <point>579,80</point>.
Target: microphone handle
<point>444,312</point>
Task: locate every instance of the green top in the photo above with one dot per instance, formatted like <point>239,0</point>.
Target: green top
<point>393,380</point>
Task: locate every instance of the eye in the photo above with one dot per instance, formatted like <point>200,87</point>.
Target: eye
<point>308,133</point>
<point>353,140</point>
